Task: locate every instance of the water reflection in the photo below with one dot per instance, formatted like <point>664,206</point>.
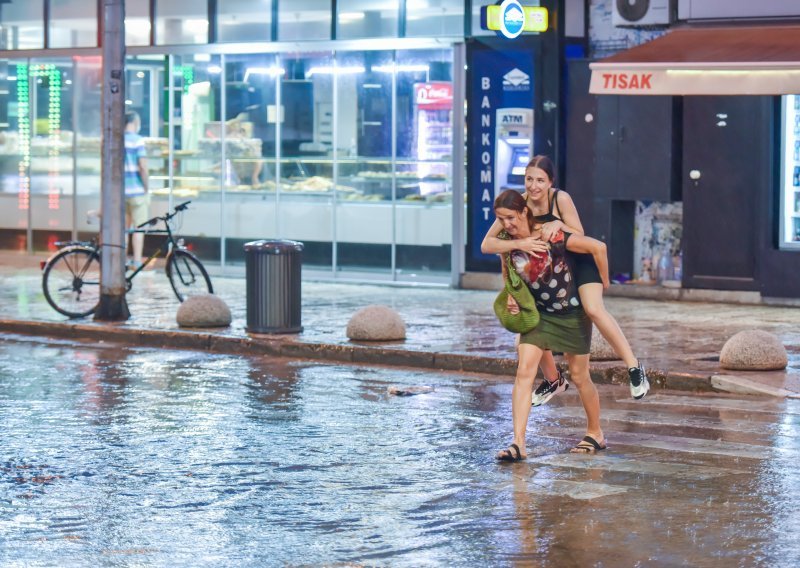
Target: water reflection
<point>156,457</point>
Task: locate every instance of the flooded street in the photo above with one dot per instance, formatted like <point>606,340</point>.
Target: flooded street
<point>118,456</point>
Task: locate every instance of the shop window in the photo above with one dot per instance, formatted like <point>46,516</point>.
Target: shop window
<point>424,142</point>
<point>304,20</point>
<point>87,92</point>
<point>434,18</point>
<point>244,20</point>
<point>366,184</point>
<point>21,25</point>
<point>137,22</point>
<point>250,169</point>
<point>181,22</point>
<point>15,147</point>
<point>73,24</point>
<point>362,19</point>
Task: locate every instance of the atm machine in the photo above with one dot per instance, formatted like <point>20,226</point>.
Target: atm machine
<point>513,147</point>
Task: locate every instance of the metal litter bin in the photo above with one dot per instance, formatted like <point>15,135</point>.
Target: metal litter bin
<point>273,286</point>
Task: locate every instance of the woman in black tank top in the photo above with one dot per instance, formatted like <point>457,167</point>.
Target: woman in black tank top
<point>585,267</point>
<point>558,213</point>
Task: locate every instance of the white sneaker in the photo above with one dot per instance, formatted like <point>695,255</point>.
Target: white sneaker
<point>547,390</point>
<point>639,383</point>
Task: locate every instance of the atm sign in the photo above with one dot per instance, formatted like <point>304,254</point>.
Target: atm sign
<point>513,119</point>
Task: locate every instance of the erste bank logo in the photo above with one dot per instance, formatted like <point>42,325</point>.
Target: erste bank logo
<point>513,20</point>
<point>510,19</point>
<point>516,80</point>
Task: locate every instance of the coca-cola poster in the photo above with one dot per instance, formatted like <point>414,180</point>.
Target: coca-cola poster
<point>436,95</point>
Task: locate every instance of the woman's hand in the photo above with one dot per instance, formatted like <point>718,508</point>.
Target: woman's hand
<point>550,229</point>
<point>531,245</point>
<point>512,305</point>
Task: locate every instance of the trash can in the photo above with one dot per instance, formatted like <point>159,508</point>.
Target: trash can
<point>272,269</point>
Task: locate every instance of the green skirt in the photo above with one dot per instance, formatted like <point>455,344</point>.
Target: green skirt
<point>565,333</point>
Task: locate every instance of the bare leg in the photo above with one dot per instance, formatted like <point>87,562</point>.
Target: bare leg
<point>529,356</point>
<point>592,300</point>
<point>548,366</point>
<point>579,373</point>
<point>137,240</point>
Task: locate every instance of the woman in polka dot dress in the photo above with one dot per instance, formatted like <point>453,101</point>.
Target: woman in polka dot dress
<point>563,325</point>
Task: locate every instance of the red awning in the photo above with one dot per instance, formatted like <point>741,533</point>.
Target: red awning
<point>763,60</point>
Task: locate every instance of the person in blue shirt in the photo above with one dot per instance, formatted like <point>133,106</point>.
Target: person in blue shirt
<point>137,199</point>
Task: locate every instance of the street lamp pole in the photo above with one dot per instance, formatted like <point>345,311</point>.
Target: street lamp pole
<point>113,305</point>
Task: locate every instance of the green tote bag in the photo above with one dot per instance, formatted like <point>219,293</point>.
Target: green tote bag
<point>528,316</point>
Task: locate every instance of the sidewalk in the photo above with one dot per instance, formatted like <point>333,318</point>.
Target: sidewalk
<point>678,342</point>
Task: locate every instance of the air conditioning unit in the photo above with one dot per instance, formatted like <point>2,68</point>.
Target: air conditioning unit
<point>635,13</point>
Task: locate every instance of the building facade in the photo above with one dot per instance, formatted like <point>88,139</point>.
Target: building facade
<point>693,177</point>
<point>335,123</point>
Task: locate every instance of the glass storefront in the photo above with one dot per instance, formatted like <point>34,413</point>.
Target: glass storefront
<point>49,149</point>
<point>73,24</point>
<point>790,173</point>
<point>349,152</point>
<point>21,25</point>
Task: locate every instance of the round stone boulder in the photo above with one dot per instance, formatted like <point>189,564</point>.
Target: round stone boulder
<point>600,349</point>
<point>376,323</point>
<point>753,350</point>
<point>204,310</point>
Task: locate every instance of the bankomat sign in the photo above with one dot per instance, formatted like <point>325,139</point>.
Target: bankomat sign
<point>500,138</point>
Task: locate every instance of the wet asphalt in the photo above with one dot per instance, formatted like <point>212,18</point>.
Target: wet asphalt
<point>120,456</point>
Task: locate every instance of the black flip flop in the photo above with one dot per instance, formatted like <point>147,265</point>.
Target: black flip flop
<point>509,457</point>
<point>588,445</point>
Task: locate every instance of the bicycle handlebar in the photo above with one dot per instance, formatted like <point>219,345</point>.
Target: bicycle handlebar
<point>177,209</point>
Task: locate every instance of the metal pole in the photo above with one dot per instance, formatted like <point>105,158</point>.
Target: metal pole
<point>458,171</point>
<point>113,306</point>
<point>393,260</point>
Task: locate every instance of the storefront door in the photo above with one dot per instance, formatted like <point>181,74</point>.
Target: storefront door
<point>725,177</point>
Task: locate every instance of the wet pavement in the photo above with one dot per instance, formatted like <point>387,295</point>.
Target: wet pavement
<point>678,341</point>
<point>119,456</point>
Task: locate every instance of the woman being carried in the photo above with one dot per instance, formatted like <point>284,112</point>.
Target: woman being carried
<point>563,324</point>
<point>556,211</point>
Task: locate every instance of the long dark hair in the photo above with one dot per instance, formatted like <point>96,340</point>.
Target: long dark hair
<point>512,199</point>
<point>545,164</point>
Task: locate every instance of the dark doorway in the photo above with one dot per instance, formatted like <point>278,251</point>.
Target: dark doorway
<point>725,182</point>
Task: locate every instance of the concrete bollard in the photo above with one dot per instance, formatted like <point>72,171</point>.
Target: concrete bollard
<point>203,310</point>
<point>753,350</point>
<point>376,323</point>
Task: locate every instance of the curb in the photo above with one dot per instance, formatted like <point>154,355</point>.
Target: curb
<point>288,347</point>
<point>741,385</point>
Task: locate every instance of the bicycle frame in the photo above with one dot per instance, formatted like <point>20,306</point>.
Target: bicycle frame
<point>166,245</point>
<point>164,248</point>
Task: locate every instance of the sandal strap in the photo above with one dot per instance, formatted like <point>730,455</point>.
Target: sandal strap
<point>593,442</point>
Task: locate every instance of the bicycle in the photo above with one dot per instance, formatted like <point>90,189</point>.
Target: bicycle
<point>71,277</point>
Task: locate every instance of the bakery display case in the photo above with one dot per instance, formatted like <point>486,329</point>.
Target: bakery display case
<point>259,143</point>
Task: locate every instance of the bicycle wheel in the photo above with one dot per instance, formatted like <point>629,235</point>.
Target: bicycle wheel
<point>71,281</point>
<point>187,275</point>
